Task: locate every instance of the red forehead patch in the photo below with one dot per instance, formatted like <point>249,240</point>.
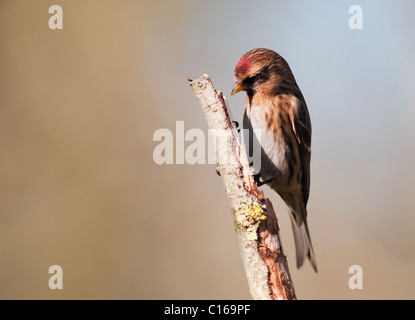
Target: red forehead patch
<point>244,64</point>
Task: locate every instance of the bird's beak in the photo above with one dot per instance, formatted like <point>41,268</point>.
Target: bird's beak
<point>238,87</point>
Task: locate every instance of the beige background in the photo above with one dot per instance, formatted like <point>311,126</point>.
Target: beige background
<point>78,109</point>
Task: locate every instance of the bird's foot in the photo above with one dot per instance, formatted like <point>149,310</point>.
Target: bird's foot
<point>259,182</point>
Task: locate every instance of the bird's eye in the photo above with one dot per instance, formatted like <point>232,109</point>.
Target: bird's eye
<point>258,78</point>
<point>250,80</point>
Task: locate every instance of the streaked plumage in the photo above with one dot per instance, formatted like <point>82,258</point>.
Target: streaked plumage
<point>275,105</point>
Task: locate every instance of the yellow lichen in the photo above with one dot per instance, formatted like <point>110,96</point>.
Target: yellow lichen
<point>249,215</point>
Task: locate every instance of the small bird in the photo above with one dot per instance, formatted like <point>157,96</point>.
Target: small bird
<point>275,105</point>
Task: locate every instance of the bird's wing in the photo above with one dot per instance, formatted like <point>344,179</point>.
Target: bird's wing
<point>301,124</point>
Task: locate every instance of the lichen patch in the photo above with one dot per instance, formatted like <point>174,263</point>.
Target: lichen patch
<point>249,215</point>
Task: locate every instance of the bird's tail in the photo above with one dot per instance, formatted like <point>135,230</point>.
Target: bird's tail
<point>303,245</point>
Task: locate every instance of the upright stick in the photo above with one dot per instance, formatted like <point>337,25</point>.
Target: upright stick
<point>256,224</point>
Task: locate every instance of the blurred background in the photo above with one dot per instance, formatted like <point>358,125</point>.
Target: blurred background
<point>79,107</point>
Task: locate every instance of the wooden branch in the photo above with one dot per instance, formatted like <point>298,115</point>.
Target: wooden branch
<point>256,224</point>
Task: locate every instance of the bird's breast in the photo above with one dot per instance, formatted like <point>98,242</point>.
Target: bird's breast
<point>273,133</point>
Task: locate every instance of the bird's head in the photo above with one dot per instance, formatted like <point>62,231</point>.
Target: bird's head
<point>260,70</point>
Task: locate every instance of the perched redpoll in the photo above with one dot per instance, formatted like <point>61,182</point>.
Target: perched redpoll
<point>275,105</point>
